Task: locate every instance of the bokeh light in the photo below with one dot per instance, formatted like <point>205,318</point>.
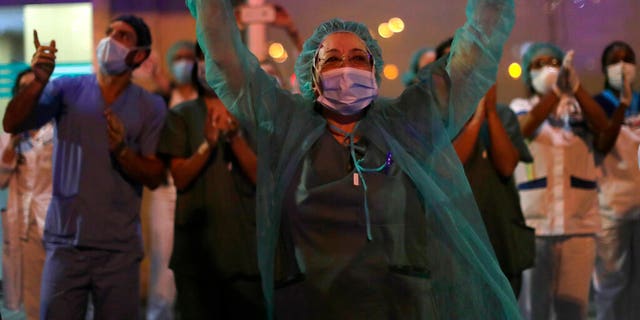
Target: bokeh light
<point>276,50</point>
<point>384,31</point>
<point>515,70</point>
<point>390,71</point>
<point>396,25</point>
<point>282,58</point>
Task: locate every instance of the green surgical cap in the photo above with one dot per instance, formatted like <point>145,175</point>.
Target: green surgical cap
<point>177,46</point>
<point>304,64</point>
<point>535,50</point>
<point>410,75</point>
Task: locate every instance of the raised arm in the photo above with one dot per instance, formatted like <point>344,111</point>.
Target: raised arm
<point>473,60</point>
<point>232,70</point>
<point>530,121</point>
<point>21,108</point>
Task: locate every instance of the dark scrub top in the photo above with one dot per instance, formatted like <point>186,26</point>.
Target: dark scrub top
<point>498,200</point>
<point>342,274</point>
<point>215,215</point>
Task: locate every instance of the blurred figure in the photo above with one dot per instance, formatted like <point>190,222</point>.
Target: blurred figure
<point>149,76</point>
<point>419,59</point>
<point>26,161</point>
<point>617,271</point>
<point>444,47</point>
<point>490,146</point>
<point>214,257</point>
<point>181,58</point>
<point>269,66</point>
<point>106,136</point>
<point>558,191</point>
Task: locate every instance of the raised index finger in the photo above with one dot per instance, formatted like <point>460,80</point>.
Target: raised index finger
<point>36,41</point>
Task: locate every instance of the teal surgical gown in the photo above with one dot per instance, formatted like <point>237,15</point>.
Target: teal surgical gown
<point>444,244</point>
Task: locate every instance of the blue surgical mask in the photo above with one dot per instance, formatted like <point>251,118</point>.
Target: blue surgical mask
<point>347,90</point>
<point>181,71</point>
<point>112,57</point>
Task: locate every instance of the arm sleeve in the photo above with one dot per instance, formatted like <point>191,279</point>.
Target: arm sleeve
<point>472,64</point>
<point>173,139</point>
<point>251,95</point>
<point>50,103</point>
<point>520,106</point>
<point>152,127</point>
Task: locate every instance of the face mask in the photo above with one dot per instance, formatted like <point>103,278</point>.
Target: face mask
<point>112,56</point>
<point>543,79</point>
<point>181,71</point>
<point>347,90</point>
<point>616,71</point>
<point>202,79</point>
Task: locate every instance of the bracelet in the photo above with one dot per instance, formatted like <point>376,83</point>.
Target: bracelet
<point>203,148</point>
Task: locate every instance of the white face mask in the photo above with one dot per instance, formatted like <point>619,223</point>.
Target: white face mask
<point>111,57</point>
<point>615,73</point>
<point>181,71</point>
<point>543,79</point>
<point>347,90</point>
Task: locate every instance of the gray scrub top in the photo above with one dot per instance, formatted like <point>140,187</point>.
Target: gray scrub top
<point>342,274</point>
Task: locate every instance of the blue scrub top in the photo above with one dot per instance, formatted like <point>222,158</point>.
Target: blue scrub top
<point>94,204</point>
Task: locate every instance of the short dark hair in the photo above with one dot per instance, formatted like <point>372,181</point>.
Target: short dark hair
<point>612,46</point>
<point>16,84</point>
<point>142,30</point>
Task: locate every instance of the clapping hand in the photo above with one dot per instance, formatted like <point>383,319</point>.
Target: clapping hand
<point>568,81</point>
<point>116,131</point>
<point>626,94</point>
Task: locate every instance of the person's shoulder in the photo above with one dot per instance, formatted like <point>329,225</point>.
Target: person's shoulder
<point>73,81</point>
<point>187,107</point>
<point>149,99</point>
<point>520,105</point>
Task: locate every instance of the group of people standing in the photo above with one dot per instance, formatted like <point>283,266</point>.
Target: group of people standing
<point>328,204</point>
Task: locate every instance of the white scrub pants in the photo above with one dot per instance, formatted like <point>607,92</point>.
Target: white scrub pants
<point>162,288</point>
<point>617,273</point>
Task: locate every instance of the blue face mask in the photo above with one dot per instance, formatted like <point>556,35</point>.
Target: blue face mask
<point>112,57</point>
<point>347,90</point>
<point>181,71</point>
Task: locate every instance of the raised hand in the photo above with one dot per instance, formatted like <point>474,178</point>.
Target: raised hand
<point>568,81</point>
<point>211,129</point>
<point>491,100</point>
<point>626,94</point>
<point>228,125</point>
<point>44,59</point>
